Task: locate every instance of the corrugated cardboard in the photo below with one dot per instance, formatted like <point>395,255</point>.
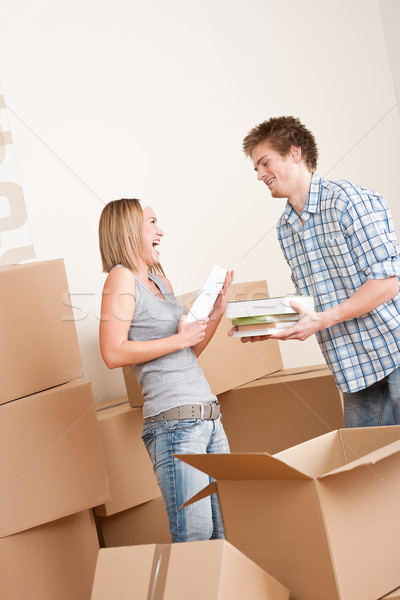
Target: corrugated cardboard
<point>322,517</point>
<point>129,467</point>
<point>281,410</point>
<point>212,570</point>
<point>226,362</point>
<point>143,524</point>
<point>38,342</point>
<point>55,561</point>
<point>51,462</point>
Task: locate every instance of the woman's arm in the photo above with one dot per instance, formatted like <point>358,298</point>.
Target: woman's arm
<point>117,310</point>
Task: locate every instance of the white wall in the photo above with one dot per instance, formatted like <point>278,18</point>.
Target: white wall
<point>126,98</point>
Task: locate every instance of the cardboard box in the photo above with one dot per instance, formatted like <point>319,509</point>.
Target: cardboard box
<point>281,410</point>
<point>212,570</point>
<point>130,470</point>
<point>143,524</point>
<point>393,596</point>
<point>226,362</point>
<point>51,462</point>
<point>322,517</point>
<point>38,342</point>
<point>55,561</point>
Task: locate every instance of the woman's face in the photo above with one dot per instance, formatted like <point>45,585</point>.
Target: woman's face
<point>152,235</point>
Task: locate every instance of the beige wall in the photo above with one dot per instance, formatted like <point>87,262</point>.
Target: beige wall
<point>390,12</point>
<point>126,98</point>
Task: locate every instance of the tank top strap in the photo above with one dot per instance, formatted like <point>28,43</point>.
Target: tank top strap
<point>161,285</point>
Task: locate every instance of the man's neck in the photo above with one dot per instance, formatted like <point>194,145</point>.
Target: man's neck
<point>299,197</point>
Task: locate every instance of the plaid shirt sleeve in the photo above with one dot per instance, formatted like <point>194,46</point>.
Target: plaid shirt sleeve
<point>368,229</point>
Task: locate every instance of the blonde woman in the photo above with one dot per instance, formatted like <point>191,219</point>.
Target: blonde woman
<point>144,326</point>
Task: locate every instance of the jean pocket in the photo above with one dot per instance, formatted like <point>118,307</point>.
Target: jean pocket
<point>149,440</point>
<point>181,430</point>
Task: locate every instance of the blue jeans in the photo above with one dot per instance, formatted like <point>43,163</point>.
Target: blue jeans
<point>178,481</point>
<point>376,405</point>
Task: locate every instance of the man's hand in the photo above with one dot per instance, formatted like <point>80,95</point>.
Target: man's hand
<point>309,322</point>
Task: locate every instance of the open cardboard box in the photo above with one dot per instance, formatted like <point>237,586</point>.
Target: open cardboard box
<point>209,570</point>
<point>322,517</point>
<point>226,362</point>
<point>38,342</point>
<point>281,410</point>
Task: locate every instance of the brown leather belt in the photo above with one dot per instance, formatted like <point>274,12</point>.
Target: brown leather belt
<point>208,412</point>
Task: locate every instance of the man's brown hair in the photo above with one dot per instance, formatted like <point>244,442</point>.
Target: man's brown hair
<point>282,133</point>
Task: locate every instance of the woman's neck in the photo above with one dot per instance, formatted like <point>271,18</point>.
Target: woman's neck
<point>142,272</point>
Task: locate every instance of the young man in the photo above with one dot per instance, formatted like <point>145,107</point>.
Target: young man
<point>339,241</point>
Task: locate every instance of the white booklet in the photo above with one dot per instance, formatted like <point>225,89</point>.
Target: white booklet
<point>262,330</point>
<point>208,294</point>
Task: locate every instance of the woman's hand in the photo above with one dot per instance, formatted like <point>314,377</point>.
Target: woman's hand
<point>220,303</point>
<point>191,333</point>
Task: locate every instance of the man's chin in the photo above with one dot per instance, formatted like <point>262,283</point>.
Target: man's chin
<point>275,194</point>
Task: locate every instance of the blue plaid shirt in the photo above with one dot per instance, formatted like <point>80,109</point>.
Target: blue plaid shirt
<point>348,237</point>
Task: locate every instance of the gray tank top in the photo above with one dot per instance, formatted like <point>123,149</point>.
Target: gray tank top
<point>173,379</point>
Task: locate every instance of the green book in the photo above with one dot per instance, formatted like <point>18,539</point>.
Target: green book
<point>265,319</point>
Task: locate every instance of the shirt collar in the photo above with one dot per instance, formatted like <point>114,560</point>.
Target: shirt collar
<point>312,204</point>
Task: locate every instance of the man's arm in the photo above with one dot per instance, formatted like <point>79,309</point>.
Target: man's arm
<point>371,294</point>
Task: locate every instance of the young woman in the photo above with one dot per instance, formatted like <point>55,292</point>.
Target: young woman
<point>144,326</point>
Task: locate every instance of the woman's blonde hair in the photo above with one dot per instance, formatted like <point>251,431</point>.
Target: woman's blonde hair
<point>121,235</point>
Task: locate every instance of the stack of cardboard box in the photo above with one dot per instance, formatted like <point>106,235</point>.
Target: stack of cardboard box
<point>52,470</point>
<point>314,505</point>
<point>290,406</point>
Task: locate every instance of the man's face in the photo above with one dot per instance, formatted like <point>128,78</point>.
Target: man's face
<point>276,171</point>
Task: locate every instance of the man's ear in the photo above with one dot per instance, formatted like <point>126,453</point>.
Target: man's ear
<point>295,152</point>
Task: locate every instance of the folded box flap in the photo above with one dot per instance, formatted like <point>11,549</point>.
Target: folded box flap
<point>242,466</point>
<point>367,460</point>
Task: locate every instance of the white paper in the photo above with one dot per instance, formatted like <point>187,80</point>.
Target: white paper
<point>208,294</point>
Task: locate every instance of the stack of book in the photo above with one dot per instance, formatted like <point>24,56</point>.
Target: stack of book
<point>263,316</point>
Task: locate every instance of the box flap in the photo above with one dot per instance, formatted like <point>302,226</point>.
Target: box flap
<point>359,441</point>
<point>368,460</point>
<point>317,456</point>
<point>242,466</point>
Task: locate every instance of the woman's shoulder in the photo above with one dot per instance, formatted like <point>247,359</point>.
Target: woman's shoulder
<point>120,277</point>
